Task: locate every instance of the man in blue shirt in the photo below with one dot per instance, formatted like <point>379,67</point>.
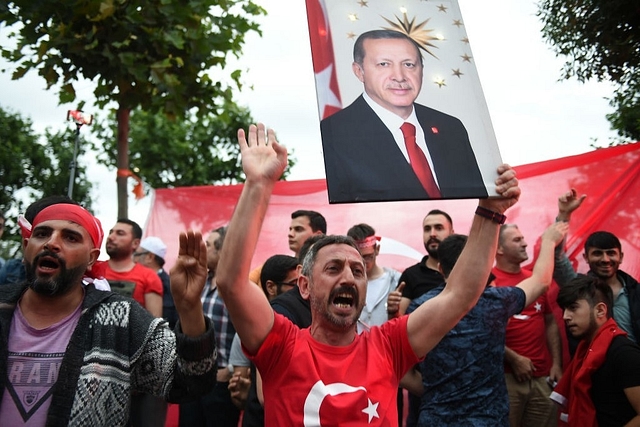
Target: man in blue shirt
<point>463,376</point>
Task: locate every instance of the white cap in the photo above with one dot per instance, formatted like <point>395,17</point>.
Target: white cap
<point>155,246</point>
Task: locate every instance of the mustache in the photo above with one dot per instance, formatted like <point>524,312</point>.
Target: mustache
<point>433,240</point>
<point>49,254</point>
<point>343,290</point>
<point>404,86</point>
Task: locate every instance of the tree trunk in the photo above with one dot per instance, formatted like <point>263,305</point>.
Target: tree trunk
<point>123,161</point>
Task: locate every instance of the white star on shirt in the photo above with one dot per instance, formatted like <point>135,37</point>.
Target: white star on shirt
<point>538,306</point>
<point>326,96</point>
<point>371,410</point>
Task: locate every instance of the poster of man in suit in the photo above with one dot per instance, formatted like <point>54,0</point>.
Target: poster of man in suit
<point>402,112</point>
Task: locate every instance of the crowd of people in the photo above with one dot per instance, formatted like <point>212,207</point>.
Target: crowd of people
<point>324,336</point>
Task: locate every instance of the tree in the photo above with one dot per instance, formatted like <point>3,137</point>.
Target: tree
<point>181,152</point>
<point>601,40</point>
<point>30,169</point>
<point>155,54</point>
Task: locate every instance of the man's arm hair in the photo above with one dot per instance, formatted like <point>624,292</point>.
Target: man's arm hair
<point>263,161</point>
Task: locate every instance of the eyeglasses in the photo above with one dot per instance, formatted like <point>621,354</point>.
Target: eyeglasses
<point>290,284</point>
<point>136,254</point>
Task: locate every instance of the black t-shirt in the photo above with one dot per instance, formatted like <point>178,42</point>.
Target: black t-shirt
<point>292,306</point>
<point>620,370</point>
<point>419,279</point>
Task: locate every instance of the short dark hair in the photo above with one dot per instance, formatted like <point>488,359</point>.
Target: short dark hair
<point>310,257</point>
<point>135,228</point>
<point>439,212</point>
<point>36,207</point>
<point>222,231</point>
<point>316,220</point>
<point>358,47</point>
<point>276,269</point>
<point>602,240</point>
<point>307,245</point>
<point>449,251</point>
<point>361,232</point>
<point>587,287</point>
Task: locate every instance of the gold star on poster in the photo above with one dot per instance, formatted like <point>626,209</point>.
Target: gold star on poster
<point>352,17</point>
<point>457,72</point>
<point>442,8</point>
<point>440,82</point>
<point>465,58</point>
<point>363,3</point>
<point>457,23</point>
<point>351,35</point>
<point>465,40</point>
<point>417,32</point>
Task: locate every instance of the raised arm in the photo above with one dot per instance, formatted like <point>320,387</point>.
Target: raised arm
<point>263,162</point>
<point>568,202</point>
<point>188,277</point>
<point>540,280</point>
<point>433,319</point>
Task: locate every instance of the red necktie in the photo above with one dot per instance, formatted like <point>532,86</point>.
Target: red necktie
<point>419,161</point>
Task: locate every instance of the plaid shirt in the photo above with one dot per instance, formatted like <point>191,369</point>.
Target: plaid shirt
<point>214,309</point>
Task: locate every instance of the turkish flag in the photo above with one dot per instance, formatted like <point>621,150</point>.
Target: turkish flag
<point>323,59</point>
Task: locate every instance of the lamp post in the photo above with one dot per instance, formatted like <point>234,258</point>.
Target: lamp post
<point>79,118</point>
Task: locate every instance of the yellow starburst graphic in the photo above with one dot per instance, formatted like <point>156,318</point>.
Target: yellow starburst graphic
<point>417,32</point>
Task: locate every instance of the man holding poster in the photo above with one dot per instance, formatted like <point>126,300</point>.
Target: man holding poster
<point>384,146</point>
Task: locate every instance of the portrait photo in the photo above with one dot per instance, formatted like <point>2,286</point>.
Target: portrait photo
<point>402,113</point>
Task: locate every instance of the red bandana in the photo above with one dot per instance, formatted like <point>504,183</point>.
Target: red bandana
<point>367,242</point>
<point>68,212</point>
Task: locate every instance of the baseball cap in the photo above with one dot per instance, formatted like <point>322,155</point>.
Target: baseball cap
<point>154,245</point>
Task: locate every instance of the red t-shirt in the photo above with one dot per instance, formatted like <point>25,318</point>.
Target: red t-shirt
<point>307,383</point>
<point>145,279</point>
<point>526,332</point>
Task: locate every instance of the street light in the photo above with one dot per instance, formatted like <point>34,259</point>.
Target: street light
<point>79,118</point>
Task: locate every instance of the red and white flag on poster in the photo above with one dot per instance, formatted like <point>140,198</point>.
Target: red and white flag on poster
<point>323,59</point>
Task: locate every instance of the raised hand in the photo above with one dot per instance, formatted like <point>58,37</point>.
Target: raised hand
<point>569,202</point>
<point>393,300</point>
<point>262,157</point>
<point>188,277</point>
<point>556,232</point>
<point>506,187</point>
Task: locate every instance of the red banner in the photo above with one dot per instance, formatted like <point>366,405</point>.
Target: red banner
<point>610,177</point>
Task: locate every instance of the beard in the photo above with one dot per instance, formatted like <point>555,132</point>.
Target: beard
<point>432,250</point>
<point>321,307</point>
<point>593,326</point>
<point>117,253</point>
<point>56,285</point>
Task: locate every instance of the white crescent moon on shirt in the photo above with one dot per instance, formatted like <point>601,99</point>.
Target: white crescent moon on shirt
<point>317,394</point>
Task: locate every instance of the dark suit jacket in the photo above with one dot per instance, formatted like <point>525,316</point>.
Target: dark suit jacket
<point>363,162</point>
